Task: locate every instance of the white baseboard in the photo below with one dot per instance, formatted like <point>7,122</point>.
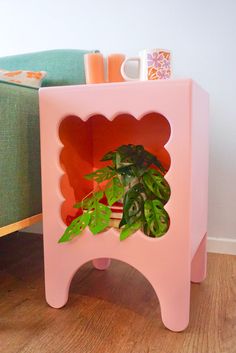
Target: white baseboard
<point>221,245</point>
<point>215,245</point>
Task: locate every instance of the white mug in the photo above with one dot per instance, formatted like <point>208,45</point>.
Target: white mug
<point>154,64</point>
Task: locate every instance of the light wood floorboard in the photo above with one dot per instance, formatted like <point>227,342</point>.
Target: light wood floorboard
<point>113,311</point>
<point>14,227</point>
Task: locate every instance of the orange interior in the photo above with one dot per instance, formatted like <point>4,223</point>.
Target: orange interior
<point>85,143</point>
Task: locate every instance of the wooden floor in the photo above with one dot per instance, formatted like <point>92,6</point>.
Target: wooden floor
<point>113,311</point>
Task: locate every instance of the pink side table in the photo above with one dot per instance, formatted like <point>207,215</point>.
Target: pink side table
<point>78,125</point>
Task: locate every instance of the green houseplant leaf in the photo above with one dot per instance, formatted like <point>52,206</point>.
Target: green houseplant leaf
<point>138,156</point>
<point>109,156</point>
<point>156,183</point>
<point>88,202</point>
<point>101,175</point>
<point>157,218</point>
<point>130,229</point>
<point>133,205</point>
<point>99,218</point>
<point>114,191</point>
<point>76,227</point>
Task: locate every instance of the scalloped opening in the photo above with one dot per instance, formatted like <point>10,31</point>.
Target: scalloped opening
<point>85,142</point>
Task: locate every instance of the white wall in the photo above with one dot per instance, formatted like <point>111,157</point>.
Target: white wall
<point>201,35</point>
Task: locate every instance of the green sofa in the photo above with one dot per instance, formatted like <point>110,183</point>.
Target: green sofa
<point>20,182</point>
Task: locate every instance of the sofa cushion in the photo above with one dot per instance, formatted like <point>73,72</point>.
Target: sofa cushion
<point>63,66</point>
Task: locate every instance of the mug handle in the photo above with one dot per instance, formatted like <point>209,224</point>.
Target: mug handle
<point>122,69</point>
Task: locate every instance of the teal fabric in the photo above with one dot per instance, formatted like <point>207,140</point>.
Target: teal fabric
<point>20,180</point>
<point>63,66</point>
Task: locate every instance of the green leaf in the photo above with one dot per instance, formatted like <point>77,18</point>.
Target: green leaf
<point>151,159</point>
<point>126,169</point>
<point>127,179</point>
<point>99,218</point>
<point>109,156</point>
<point>157,218</point>
<point>101,175</point>
<point>98,195</point>
<point>123,221</point>
<point>139,157</point>
<point>133,204</point>
<point>75,228</point>
<point>157,184</point>
<point>130,229</point>
<point>114,191</point>
<point>88,202</point>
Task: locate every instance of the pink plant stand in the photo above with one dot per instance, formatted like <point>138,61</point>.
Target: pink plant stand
<point>80,123</point>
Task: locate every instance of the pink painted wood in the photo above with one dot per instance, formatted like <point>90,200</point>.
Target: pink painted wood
<point>169,263</point>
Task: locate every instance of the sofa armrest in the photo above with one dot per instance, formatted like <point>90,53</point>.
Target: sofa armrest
<point>63,66</point>
<point>20,183</point>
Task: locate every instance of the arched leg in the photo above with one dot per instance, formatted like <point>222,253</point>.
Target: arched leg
<point>57,282</point>
<point>175,306</point>
<point>199,263</point>
<point>172,286</point>
<point>101,264</point>
<point>56,291</point>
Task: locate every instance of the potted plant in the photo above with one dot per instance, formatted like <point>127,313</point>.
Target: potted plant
<point>134,179</point>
